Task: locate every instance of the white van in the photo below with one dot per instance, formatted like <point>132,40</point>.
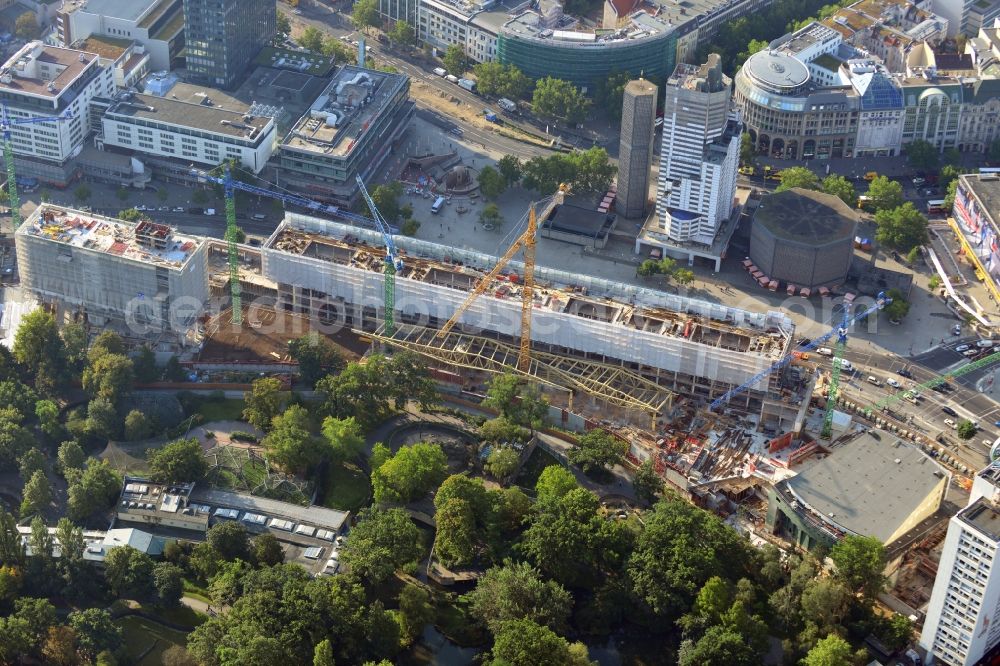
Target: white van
<point>844,363</point>
<point>824,351</point>
<point>436,206</point>
<point>440,71</point>
<point>259,217</point>
<point>874,380</point>
<point>985,344</point>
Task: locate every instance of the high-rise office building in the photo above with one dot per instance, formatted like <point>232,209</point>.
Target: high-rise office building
<point>700,153</point>
<point>635,156</point>
<point>224,36</point>
<point>963,616</point>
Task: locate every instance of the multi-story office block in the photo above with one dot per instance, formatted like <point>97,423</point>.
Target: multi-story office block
<point>156,24</point>
<point>699,156</point>
<point>635,156</point>
<point>961,624</point>
<point>224,36</point>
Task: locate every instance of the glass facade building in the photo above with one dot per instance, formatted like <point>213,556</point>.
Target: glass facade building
<point>224,36</point>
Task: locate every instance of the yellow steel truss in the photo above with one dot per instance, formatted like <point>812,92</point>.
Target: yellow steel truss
<point>618,386</point>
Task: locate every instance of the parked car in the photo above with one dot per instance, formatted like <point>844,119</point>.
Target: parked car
<point>893,383</point>
<point>178,209</point>
<point>802,342</point>
<point>962,348</point>
<point>903,372</point>
<point>949,411</point>
<point>956,329</point>
<point>984,344</point>
<point>950,423</point>
<point>969,353</point>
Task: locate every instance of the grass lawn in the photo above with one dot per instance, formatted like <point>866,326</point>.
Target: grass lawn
<point>194,590</point>
<point>532,469</point>
<point>220,410</point>
<point>178,615</point>
<point>140,633</point>
<point>346,488</point>
<point>453,620</point>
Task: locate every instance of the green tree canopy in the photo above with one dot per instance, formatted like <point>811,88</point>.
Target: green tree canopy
<point>382,541</point>
<point>71,456</point>
<point>178,461</point>
<point>410,474</point>
<point>455,60</point>
<point>885,194</point>
<point>516,591</point>
<point>798,177</point>
<point>648,484</point>
<point>598,449</point>
<point>402,34</point>
<point>129,572</point>
<point>230,540</point>
<point>902,228</point>
<point>559,99</point>
<point>497,80</point>
<point>37,494</point>
<point>510,168</point>
<point>263,402</point>
<point>94,490</point>
<point>365,14</point>
<point>502,462</point>
<point>316,357</point>
<point>860,563</point>
<point>526,643</point>
<point>831,651</point>
<point>966,430</point>
<point>491,183</point>
<point>344,438</point>
<point>517,401</point>
<point>38,346</point>
<point>95,631</point>
<point>841,188</point>
<point>921,154</point>
<point>553,483</point>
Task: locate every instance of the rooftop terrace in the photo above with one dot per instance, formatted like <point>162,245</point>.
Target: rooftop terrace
<point>144,242</point>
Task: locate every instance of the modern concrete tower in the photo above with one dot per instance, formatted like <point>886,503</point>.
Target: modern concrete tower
<point>635,156</point>
<point>224,36</point>
<point>699,156</point>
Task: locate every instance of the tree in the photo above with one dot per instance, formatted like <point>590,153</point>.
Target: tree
<point>82,193</point>
<point>949,196</point>
<point>109,376</point>
<point>37,494</point>
<point>26,26</point>
<point>491,183</point>
<point>455,535</point>
<point>263,402</point>
<point>559,99</point>
<point>365,14</point>
<point>610,93</point>
<point>502,462</point>
<point>129,572</point>
<point>102,419</point>
<point>798,177</point>
<point>415,610</point>
<point>93,490</point>
<point>491,217</point>
<point>648,484</point>
<point>47,413</point>
<point>283,24</point>
<point>386,198</point>
<point>553,483</point>
<point>70,457</point>
<point>71,564</point>
<point>525,643</point>
<point>137,426</point>
<point>291,444</point>
<point>902,228</point>
<point>496,80</point>
<point>921,154</point>
<point>37,345</point>
<point>403,34</point>
<point>173,371</point>
<point>831,651</point>
<point>948,174</point>
<point>746,149</point>
<point>316,357</point>
<point>267,550</point>
<point>169,584</point>
<point>74,338</point>
<point>455,60</point>
<point>144,366</point>
<point>11,546</point>
<point>841,188</point>
<point>95,631</point>
<point>181,460</point>
<point>680,548</point>
<point>60,646</point>
<point>898,308</point>
<point>229,540</point>
<point>344,438</point>
<point>860,564</point>
<point>382,541</point>
<point>311,39</point>
<point>517,591</point>
<point>597,449</point>
<point>885,194</point>
<point>380,453</point>
<point>323,654</point>
<point>510,168</point>
<point>410,474</point>
<point>23,632</point>
<point>825,603</point>
<point>516,400</point>
<point>966,430</point>
<point>720,645</point>
<point>31,461</point>
<point>898,632</point>
<point>683,276</point>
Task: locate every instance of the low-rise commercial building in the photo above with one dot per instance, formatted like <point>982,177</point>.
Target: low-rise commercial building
<point>349,130</point>
<point>141,275</point>
<point>874,485</point>
<point>188,132</point>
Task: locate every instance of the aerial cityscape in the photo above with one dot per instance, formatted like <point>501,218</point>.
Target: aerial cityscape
<point>543,333</point>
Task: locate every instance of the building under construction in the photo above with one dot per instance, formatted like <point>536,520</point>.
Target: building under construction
<point>636,352</point>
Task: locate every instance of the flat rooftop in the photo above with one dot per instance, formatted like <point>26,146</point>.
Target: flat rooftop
<point>984,516</point>
<point>39,69</point>
<point>355,250</point>
<point>806,216</point>
<point>344,111</point>
<point>868,486</point>
<point>315,516</point>
<point>574,219</point>
<point>127,10</point>
<point>640,25</point>
<point>110,236</point>
<point>987,190</point>
<point>307,62</point>
<point>207,118</point>
<point>108,48</point>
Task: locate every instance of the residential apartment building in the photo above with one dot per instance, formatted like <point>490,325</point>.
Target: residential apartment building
<point>967,17</point>
<point>157,25</point>
<point>224,36</point>
<point>960,627</point>
<point>140,275</point>
<point>350,129</point>
<point>699,155</point>
<point>41,80</point>
<point>188,132</point>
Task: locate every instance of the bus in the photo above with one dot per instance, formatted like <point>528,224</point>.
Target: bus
<point>436,206</point>
<point>936,207</point>
<point>864,202</point>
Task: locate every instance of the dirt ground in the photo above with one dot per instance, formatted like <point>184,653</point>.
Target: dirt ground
<point>264,336</point>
